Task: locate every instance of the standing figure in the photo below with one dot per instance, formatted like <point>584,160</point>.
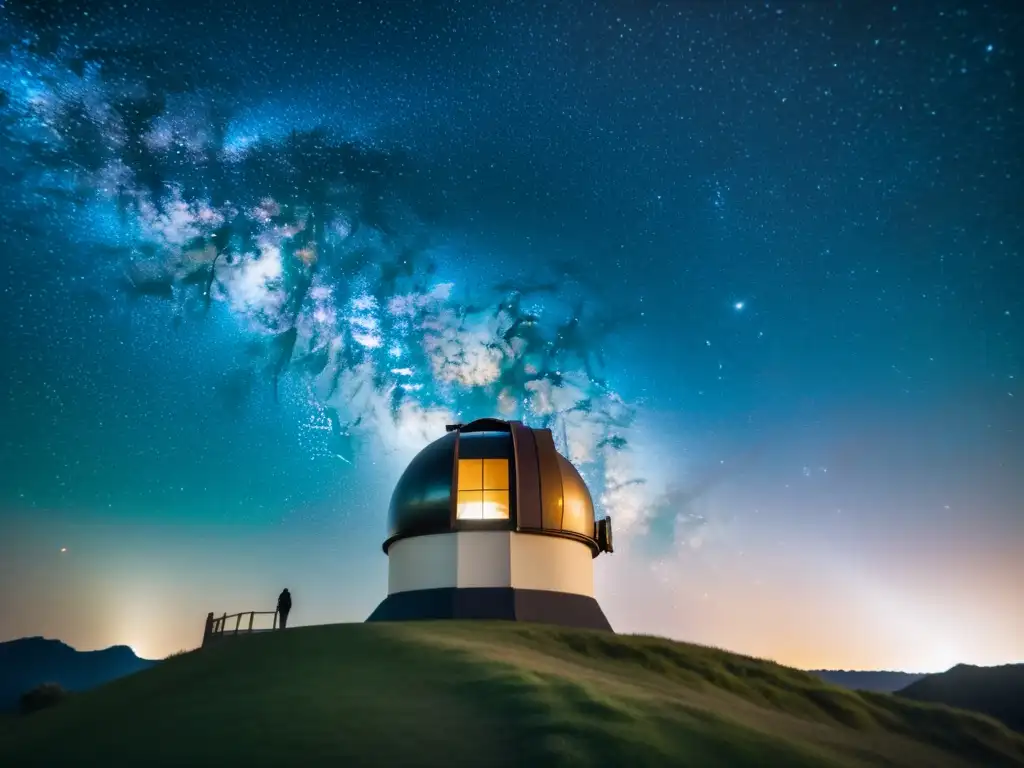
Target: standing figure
<point>284,606</point>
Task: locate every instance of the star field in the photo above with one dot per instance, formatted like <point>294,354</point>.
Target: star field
<point>756,265</point>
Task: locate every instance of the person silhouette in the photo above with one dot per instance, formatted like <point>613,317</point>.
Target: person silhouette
<point>284,606</point>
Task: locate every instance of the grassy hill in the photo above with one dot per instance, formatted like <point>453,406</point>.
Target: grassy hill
<point>996,691</point>
<point>450,693</point>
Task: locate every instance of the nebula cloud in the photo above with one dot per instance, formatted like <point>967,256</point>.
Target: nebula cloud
<point>312,247</point>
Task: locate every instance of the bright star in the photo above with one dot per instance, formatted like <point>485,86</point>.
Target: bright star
<point>738,305</point>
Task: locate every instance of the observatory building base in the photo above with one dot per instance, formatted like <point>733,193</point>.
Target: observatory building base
<point>494,603</point>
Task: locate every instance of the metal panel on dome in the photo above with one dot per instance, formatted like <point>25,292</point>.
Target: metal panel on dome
<point>527,477</point>
<point>485,445</point>
<point>550,480</point>
<point>577,506</point>
<point>422,499</point>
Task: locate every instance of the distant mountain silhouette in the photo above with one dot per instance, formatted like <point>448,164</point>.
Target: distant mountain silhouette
<point>994,691</point>
<point>880,682</point>
<point>27,662</point>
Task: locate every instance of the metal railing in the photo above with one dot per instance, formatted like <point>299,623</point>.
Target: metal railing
<point>220,626</point>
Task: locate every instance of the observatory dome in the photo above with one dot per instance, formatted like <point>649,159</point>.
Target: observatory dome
<point>494,475</point>
<point>491,522</point>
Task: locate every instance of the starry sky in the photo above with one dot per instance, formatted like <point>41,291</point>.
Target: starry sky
<point>756,265</point>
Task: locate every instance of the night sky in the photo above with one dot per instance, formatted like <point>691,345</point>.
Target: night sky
<point>757,265</point>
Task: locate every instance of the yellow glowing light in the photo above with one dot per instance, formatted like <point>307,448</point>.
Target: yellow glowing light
<point>470,506</point>
<point>495,475</point>
<point>471,474</point>
<point>495,511</point>
<point>483,490</point>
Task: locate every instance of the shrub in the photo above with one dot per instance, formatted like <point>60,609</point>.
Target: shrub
<point>42,697</point>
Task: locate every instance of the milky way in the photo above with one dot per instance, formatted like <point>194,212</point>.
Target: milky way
<point>328,272</point>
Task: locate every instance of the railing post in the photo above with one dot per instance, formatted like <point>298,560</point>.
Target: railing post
<point>217,626</point>
<point>208,629</point>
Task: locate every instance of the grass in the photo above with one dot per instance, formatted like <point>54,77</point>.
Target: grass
<point>495,694</point>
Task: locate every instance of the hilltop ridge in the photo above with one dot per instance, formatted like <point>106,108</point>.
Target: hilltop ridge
<point>996,691</point>
<point>473,693</point>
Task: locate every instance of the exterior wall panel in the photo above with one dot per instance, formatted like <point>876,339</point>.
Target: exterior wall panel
<point>486,559</point>
<point>423,562</point>
<point>483,559</point>
<point>551,563</point>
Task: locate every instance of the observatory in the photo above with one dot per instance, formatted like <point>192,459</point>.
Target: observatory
<point>491,522</point>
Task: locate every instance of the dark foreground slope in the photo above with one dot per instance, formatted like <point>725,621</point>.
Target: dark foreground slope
<point>489,694</point>
<point>27,662</point>
<point>995,691</point>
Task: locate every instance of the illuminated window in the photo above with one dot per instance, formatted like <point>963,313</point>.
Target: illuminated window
<point>483,489</point>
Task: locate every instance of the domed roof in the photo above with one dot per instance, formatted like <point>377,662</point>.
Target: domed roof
<point>492,475</point>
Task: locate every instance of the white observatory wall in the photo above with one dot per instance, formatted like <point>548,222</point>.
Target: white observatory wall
<point>483,559</point>
<point>467,559</point>
<point>422,562</point>
<point>551,562</point>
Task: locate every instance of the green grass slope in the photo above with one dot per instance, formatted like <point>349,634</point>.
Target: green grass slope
<point>453,693</point>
